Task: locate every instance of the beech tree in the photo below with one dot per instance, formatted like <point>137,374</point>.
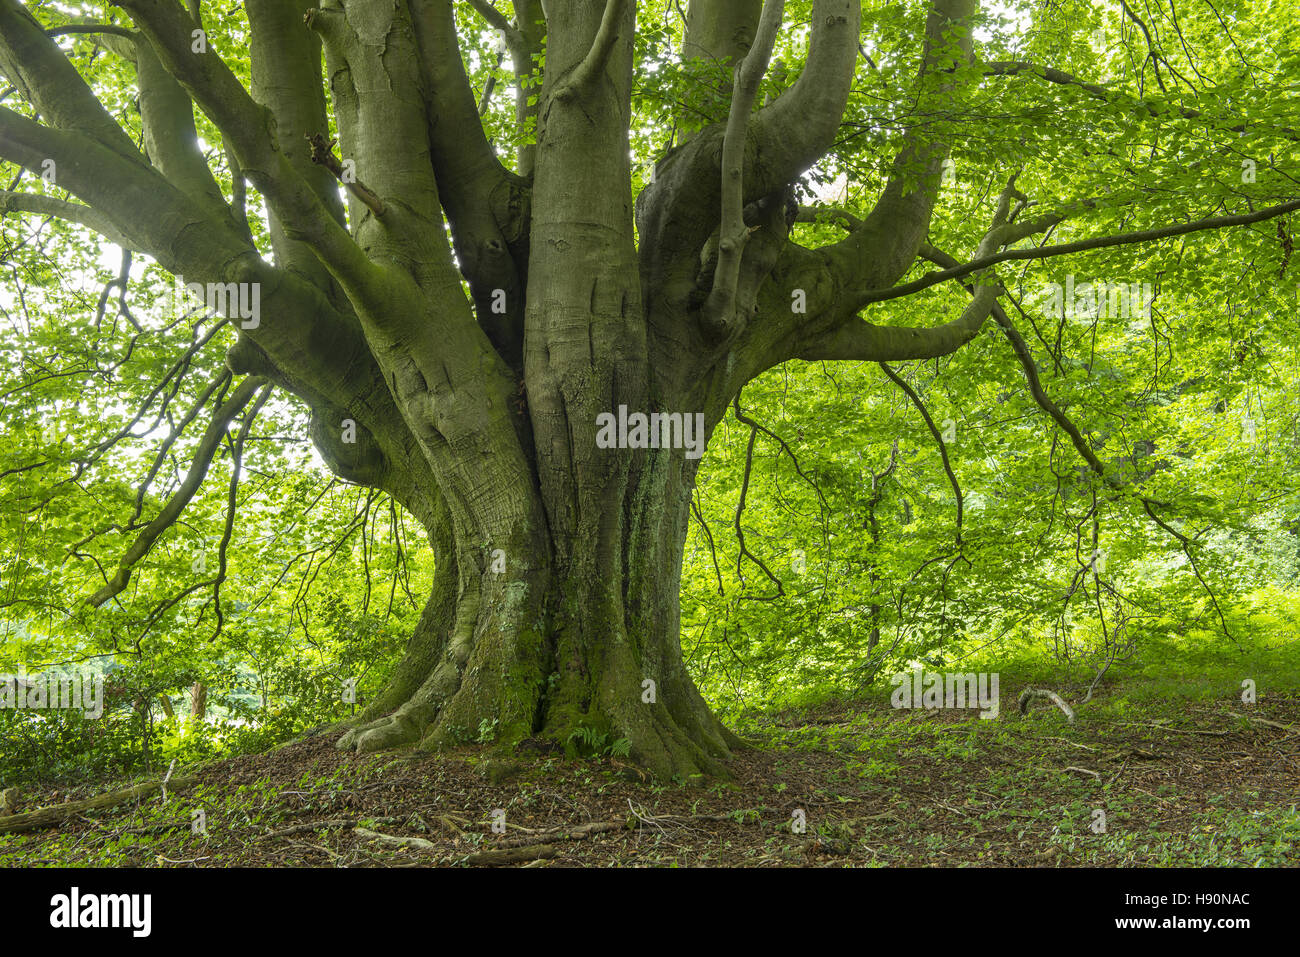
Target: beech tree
<point>463,318</point>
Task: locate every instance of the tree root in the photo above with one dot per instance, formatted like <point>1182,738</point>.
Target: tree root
<point>1030,693</point>
<point>508,855</point>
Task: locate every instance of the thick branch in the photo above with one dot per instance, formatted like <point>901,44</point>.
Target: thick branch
<point>733,233</point>
<point>887,242</point>
<point>793,131</point>
<point>485,205</point>
<point>170,138</point>
<point>678,211</point>
<point>285,70</point>
<point>246,125</point>
<point>71,212</point>
<point>497,20</point>
<point>39,69</point>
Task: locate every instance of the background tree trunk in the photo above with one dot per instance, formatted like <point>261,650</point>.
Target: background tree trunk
<point>198,701</point>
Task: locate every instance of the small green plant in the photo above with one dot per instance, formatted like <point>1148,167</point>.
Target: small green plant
<point>590,742</point>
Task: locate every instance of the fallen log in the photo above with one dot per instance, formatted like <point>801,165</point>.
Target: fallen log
<point>514,855</point>
<point>58,813</point>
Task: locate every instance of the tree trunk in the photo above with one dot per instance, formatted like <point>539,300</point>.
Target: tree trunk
<point>556,603</point>
<point>580,632</point>
<point>198,701</point>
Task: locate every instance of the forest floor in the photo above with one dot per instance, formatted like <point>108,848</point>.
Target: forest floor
<point>1206,781</point>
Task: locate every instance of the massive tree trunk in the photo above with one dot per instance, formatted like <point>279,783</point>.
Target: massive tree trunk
<point>556,632</point>
<point>563,611</point>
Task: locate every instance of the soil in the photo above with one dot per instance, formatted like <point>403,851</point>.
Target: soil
<point>870,786</point>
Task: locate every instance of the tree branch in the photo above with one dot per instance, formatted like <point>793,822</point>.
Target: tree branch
<point>77,213</point>
<point>198,470</point>
<point>938,438</point>
<point>886,244</point>
<point>111,29</point>
<point>322,153</point>
<point>42,73</point>
<point>497,20</point>
<point>1060,77</point>
<point>247,126</point>
<point>585,73</point>
<point>733,233</point>
<point>236,465</point>
<point>1083,245</point>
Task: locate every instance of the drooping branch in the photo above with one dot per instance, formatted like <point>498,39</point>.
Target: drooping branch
<point>1040,396</point>
<point>938,438</point>
<point>868,342</point>
<point>744,551</point>
<point>236,466</point>
<point>828,214</point>
<point>1138,105</point>
<point>198,470</point>
<point>221,381</point>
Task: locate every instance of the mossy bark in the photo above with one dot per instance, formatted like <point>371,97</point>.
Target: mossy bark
<point>575,634</point>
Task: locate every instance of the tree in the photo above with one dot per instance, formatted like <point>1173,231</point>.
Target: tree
<point>520,356</point>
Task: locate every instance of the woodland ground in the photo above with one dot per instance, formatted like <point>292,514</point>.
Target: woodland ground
<point>1187,776</point>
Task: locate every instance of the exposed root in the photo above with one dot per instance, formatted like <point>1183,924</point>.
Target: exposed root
<point>1030,693</point>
